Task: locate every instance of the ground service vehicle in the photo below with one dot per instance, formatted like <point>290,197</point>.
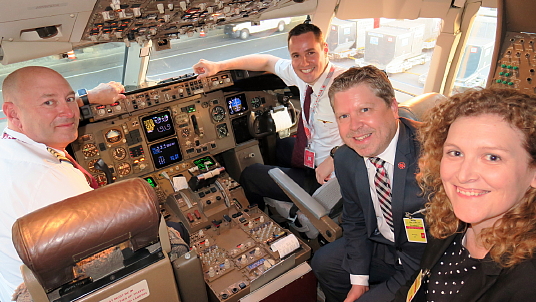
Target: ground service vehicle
<point>208,130</point>
<point>243,30</point>
<point>346,38</point>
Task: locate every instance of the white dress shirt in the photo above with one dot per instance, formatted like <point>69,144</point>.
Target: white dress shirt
<point>388,155</point>
<point>325,134</point>
<point>32,178</point>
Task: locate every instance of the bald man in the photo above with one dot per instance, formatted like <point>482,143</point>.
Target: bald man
<point>43,115</point>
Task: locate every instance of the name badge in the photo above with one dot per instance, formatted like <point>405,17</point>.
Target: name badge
<point>415,230</point>
<point>309,158</point>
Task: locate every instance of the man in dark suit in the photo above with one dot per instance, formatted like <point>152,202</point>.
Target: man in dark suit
<point>376,170</point>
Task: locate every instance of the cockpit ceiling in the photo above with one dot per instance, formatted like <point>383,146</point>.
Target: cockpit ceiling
<point>394,9</point>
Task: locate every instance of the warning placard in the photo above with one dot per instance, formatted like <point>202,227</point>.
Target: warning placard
<point>133,293</point>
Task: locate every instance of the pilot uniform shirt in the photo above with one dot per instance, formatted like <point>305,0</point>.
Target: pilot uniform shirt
<point>325,133</point>
<point>32,178</point>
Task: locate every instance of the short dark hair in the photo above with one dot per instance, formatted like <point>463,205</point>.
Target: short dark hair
<point>304,28</point>
<point>374,77</point>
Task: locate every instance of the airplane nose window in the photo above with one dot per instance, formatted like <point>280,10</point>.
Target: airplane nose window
<point>475,64</point>
<point>220,43</point>
<point>403,48</point>
<point>83,68</point>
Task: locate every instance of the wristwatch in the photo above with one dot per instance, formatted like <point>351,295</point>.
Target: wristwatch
<point>82,94</point>
<point>332,152</point>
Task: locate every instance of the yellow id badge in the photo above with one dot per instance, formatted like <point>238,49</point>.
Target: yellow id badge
<point>415,230</point>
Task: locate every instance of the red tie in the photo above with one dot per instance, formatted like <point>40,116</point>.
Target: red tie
<point>68,158</point>
<point>383,189</point>
<point>90,179</point>
<point>301,139</point>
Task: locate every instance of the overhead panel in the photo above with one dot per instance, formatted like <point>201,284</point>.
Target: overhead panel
<point>142,20</point>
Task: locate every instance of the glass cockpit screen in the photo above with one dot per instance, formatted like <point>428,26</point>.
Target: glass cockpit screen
<point>204,162</point>
<point>165,153</point>
<point>237,103</point>
<point>158,125</point>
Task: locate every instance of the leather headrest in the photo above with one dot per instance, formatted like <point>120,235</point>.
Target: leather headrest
<point>415,107</point>
<point>52,239</point>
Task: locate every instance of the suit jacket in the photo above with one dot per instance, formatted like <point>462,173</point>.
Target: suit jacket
<point>493,284</point>
<point>359,218</point>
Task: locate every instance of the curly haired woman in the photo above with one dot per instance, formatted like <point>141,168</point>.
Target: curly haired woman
<point>479,165</point>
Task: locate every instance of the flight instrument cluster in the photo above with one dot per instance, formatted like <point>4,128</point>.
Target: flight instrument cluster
<point>158,131</point>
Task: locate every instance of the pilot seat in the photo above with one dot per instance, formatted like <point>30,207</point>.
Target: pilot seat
<point>103,245</point>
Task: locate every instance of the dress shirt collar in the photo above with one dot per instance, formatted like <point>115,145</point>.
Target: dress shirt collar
<point>389,153</point>
<point>320,81</point>
<point>25,139</point>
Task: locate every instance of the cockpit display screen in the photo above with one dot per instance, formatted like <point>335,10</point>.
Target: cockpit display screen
<point>204,163</point>
<point>237,104</point>
<point>165,153</point>
<point>151,181</point>
<point>158,125</point>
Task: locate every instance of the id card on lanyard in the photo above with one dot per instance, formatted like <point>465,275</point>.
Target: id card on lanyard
<point>309,154</point>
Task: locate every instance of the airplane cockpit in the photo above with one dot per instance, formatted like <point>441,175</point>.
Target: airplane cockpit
<point>174,148</point>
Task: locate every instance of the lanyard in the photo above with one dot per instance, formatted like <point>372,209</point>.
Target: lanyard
<point>308,125</point>
<point>7,136</point>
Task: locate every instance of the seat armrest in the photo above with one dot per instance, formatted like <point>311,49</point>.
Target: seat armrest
<point>297,194</point>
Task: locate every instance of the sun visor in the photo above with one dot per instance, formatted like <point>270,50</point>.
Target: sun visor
<point>13,52</point>
<point>43,21</point>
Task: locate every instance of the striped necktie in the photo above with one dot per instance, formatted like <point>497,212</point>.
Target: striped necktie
<point>383,189</point>
<point>68,158</point>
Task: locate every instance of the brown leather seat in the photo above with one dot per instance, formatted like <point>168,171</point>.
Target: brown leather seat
<point>52,240</point>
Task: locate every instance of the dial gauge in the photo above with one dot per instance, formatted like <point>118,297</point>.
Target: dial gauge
<point>222,130</point>
<point>185,132</point>
<point>119,153</point>
<point>90,150</point>
<point>218,113</point>
<point>101,179</point>
<point>256,103</point>
<point>91,166</point>
<point>113,136</point>
<point>123,168</point>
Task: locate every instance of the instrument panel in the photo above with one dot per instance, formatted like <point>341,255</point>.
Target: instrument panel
<point>162,136</point>
<point>516,67</point>
<point>188,86</point>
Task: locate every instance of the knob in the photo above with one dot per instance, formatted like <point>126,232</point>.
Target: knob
<point>160,7</point>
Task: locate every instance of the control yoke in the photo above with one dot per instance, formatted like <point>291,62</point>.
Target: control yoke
<point>262,125</point>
